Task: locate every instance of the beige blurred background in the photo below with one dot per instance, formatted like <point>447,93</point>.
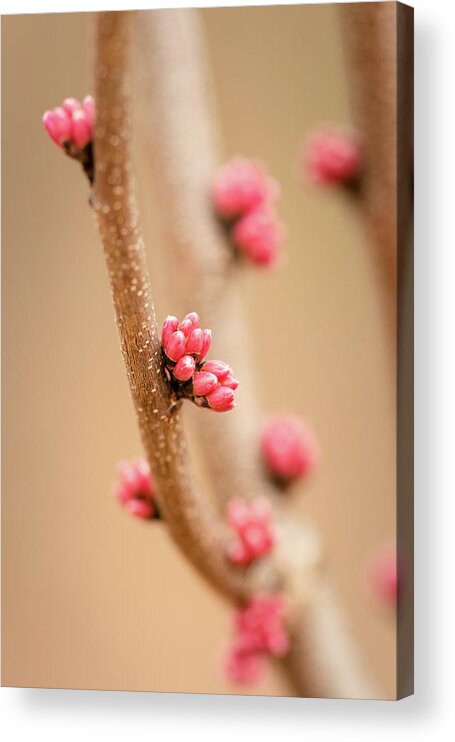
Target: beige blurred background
<point>91,597</point>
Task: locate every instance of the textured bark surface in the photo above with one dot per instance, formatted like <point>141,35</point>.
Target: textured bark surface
<point>192,521</point>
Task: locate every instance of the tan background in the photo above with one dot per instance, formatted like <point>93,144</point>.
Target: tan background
<point>91,597</point>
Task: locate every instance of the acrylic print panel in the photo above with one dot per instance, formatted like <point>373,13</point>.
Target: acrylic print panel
<point>258,556</point>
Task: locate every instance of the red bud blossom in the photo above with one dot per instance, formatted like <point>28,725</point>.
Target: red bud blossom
<point>332,156</point>
<point>220,397</point>
<point>259,631</point>
<point>219,368</point>
<point>70,105</point>
<point>242,185</point>
<point>170,325</point>
<point>72,122</point>
<point>195,342</point>
<point>58,125</point>
<point>184,368</point>
<point>176,346</point>
<point>185,338</point>
<point>70,126</point>
<point>260,625</point>
<point>244,196</point>
<point>185,345</point>
<point>256,533</point>
<point>88,104</point>
<point>289,447</point>
<point>135,490</point>
<point>204,383</point>
<point>259,235</point>
<point>140,508</point>
<point>242,667</point>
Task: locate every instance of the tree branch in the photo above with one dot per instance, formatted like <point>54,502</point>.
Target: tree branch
<point>182,135</point>
<point>192,521</point>
<point>369,31</point>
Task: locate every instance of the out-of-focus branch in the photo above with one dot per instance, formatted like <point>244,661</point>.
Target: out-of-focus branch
<point>369,31</point>
<point>192,522</point>
<point>324,661</point>
<point>182,138</point>
<point>379,47</point>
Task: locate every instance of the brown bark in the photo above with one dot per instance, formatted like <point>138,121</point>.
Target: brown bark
<point>369,31</point>
<point>192,521</point>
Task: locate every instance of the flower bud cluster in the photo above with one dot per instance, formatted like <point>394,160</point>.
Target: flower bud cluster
<point>207,383</point>
<point>135,490</point>
<point>259,633</point>
<point>71,126</point>
<point>256,533</point>
<point>333,157</point>
<point>244,196</point>
<point>289,448</point>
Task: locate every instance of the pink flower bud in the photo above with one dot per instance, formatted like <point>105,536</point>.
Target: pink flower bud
<point>204,383</point>
<point>140,508</point>
<point>184,338</point>
<point>242,667</point>
<point>278,643</point>
<point>259,630</point>
<point>81,128</point>
<point>257,540</point>
<point>58,125</point>
<point>186,344</point>
<point>184,368</point>
<point>260,625</point>
<point>72,123</point>
<point>135,478</point>
<point>240,186</point>
<point>170,325</point>
<point>288,447</point>
<point>134,489</point>
<point>261,510</point>
<point>189,323</point>
<point>256,533</point>
<point>239,554</point>
<point>332,156</point>
<point>193,318</point>
<point>195,342</point>
<point>71,105</point>
<point>238,513</point>
<point>206,344</point>
<point>230,382</point>
<point>219,368</point>
<point>88,104</point>
<point>259,235</point>
<point>186,327</point>
<point>221,399</point>
<point>123,493</point>
<point>175,346</point>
